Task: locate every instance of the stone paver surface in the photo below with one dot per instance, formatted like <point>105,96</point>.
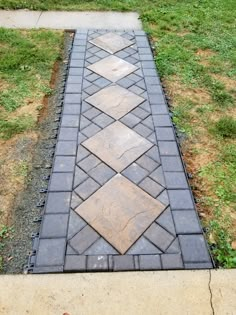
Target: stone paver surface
<point>118,195</point>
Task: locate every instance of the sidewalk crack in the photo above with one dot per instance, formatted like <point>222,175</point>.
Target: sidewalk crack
<point>38,18</point>
<point>209,286</point>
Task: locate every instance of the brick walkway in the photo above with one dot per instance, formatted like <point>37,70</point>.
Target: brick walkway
<point>118,196</point>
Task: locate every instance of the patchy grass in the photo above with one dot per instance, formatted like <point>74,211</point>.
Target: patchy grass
<point>9,128</point>
<point>195,53</point>
<point>27,60</point>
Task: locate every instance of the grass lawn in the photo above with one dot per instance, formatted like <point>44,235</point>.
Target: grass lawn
<point>195,44</point>
<point>27,60</point>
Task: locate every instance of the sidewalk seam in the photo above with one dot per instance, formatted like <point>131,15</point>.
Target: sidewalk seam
<point>209,286</point>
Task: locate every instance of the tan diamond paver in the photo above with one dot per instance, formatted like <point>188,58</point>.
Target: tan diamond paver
<point>115,101</point>
<point>112,68</point>
<point>117,145</point>
<point>111,42</point>
<point>120,212</point>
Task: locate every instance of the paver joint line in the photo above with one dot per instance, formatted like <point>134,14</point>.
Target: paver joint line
<point>121,201</point>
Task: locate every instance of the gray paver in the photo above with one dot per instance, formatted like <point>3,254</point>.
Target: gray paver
<point>58,202</point>
<point>80,176</point>
<point>70,121</point>
<point>64,164</point>
<point>69,134</point>
<point>97,263</point>
<point>142,247</point>
<point>166,221</point>
<point>176,180</point>
<point>186,222</point>
<point>66,148</point>
<point>151,187</point>
<point>71,109</point>
<point>172,163</point>
<point>61,182</point>
<point>75,263</point>
<point>100,247</point>
<point>194,248</point>
<point>54,225</point>
<point>122,263</point>
<point>87,188</point>
<point>102,173</point>
<point>147,163</point>
<point>165,133</point>
<point>168,148</point>
<point>89,162</point>
<point>180,199</point>
<point>135,173</point>
<point>76,224</point>
<point>103,120</point>
<point>72,98</point>
<point>172,261</point>
<point>51,252</point>
<point>150,262</point>
<point>158,236</point>
<point>83,239</point>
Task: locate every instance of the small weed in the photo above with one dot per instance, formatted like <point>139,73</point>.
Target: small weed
<point>21,169</point>
<point>225,127</point>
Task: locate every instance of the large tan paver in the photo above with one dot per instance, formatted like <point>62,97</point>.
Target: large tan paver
<point>115,101</point>
<point>120,211</point>
<point>149,293</point>
<point>112,68</point>
<point>111,42</point>
<point>117,145</point>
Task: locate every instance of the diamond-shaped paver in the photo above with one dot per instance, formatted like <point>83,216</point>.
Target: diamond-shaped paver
<point>115,101</point>
<point>111,42</point>
<point>84,239</point>
<point>120,212</point>
<point>101,173</point>
<point>117,145</point>
<point>112,68</point>
<point>159,236</point>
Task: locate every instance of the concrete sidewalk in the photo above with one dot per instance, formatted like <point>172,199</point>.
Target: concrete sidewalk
<point>165,292</point>
<point>69,20</point>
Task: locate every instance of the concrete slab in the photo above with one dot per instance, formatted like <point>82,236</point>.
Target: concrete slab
<point>69,20</point>
<point>223,289</point>
<point>167,292</point>
<point>19,19</point>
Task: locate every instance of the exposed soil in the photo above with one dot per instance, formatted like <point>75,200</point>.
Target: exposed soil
<point>36,150</point>
<point>205,55</point>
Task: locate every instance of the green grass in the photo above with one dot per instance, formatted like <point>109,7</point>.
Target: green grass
<point>225,127</point>
<point>27,58</point>
<point>195,43</point>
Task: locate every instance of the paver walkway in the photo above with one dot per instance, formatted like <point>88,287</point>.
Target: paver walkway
<point>118,195</point>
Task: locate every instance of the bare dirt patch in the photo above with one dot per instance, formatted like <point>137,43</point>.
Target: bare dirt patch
<point>15,161</point>
<point>205,55</point>
<point>177,89</point>
<point>230,84</point>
